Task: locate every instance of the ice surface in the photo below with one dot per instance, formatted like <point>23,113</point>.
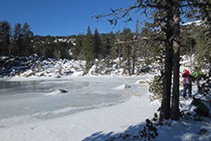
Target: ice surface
<point>42,99</point>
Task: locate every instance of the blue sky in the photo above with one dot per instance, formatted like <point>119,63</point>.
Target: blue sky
<point>62,17</point>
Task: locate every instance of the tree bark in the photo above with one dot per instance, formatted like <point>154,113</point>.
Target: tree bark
<point>176,57</point>
<point>165,105</point>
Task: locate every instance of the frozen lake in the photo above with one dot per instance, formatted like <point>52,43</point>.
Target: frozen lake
<point>41,99</point>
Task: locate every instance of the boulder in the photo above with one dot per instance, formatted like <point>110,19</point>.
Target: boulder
<point>145,68</point>
<point>63,91</point>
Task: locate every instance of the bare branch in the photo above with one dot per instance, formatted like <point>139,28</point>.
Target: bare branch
<point>139,5</point>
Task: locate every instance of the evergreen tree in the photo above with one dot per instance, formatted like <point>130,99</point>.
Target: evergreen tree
<point>203,45</point>
<point>175,112</point>
<point>107,45</point>
<point>38,45</point>
<point>5,34</point>
<point>89,48</point>
<point>114,48</point>
<point>152,44</point>
<point>188,39</point>
<point>127,35</point>
<point>17,42</point>
<point>50,51</point>
<point>77,48</point>
<point>97,43</point>
<point>64,47</point>
<point>27,37</point>
<point>117,49</point>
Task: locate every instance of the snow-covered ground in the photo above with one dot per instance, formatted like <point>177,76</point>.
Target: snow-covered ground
<point>92,105</point>
<point>92,108</point>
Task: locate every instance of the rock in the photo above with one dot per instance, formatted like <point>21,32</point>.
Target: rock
<point>202,131</point>
<point>58,76</point>
<point>127,87</point>
<point>145,68</point>
<point>63,91</point>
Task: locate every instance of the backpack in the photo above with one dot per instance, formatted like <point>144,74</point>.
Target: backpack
<point>197,74</point>
<point>187,80</point>
<point>201,108</point>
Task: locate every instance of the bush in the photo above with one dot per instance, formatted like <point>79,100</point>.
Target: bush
<point>148,61</point>
<point>156,88</point>
<point>149,132</point>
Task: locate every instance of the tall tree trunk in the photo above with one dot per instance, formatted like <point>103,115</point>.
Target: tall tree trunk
<point>165,105</point>
<point>134,60</point>
<point>176,55</point>
<point>119,52</point>
<point>129,63</point>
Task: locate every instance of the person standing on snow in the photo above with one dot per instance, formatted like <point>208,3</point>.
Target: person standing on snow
<point>187,83</point>
<point>197,74</point>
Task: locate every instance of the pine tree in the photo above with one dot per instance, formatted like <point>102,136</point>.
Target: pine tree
<point>117,49</point>
<point>152,44</point>
<point>27,37</point>
<point>175,112</point>
<point>205,46</point>
<point>5,35</point>
<point>38,45</point>
<point>89,48</point>
<point>17,42</point>
<point>77,49</point>
<point>97,44</point>
<point>127,48</point>
<point>188,38</point>
<point>107,44</point>
<point>111,47</point>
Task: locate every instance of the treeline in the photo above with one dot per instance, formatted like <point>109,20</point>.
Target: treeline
<point>21,41</point>
<point>53,47</point>
<point>16,41</point>
<point>125,45</point>
<point>196,39</point>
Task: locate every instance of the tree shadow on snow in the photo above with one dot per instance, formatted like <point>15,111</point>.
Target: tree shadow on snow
<point>129,133</point>
<point>190,128</point>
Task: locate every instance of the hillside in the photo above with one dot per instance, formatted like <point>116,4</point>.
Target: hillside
<point>37,66</point>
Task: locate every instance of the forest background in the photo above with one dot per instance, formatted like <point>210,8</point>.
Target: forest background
<point>129,45</point>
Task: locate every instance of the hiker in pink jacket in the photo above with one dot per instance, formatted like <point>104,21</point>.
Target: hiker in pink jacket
<point>187,83</point>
